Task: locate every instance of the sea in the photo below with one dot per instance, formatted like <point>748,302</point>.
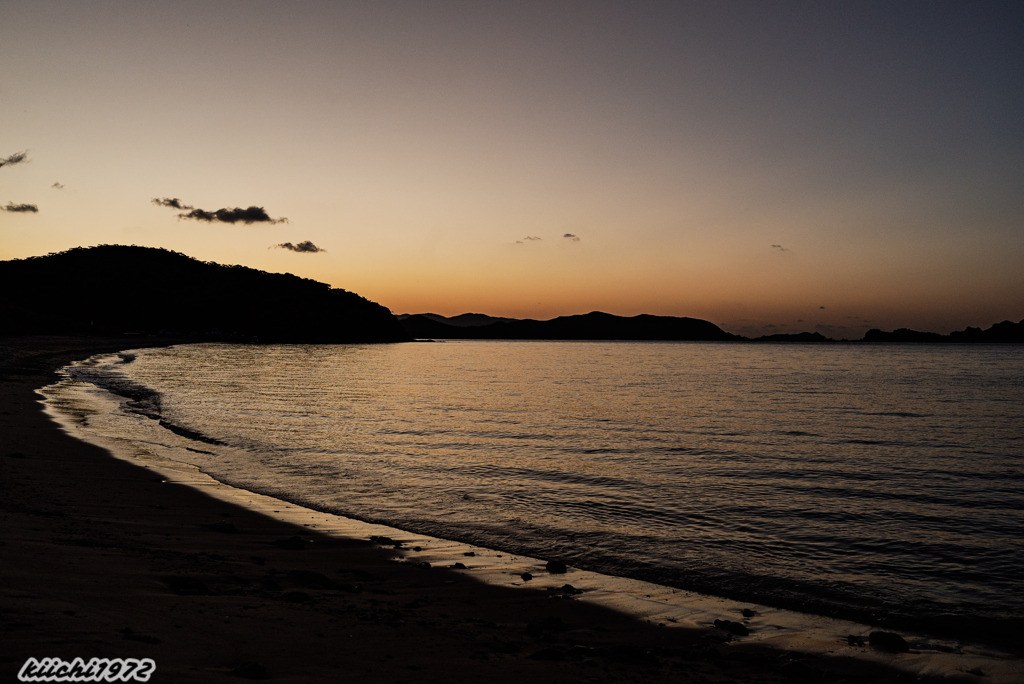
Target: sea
<point>878,483</point>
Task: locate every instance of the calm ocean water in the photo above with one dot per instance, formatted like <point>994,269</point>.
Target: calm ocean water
<point>879,483</point>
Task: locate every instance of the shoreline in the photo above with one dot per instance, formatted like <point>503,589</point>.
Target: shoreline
<point>102,558</point>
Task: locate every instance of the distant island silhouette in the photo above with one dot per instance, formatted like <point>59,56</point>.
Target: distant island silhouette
<point>119,290</point>
<point>595,325</point>
<point>602,326</point>
<point>1007,331</point>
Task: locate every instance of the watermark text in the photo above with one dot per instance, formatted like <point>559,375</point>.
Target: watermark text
<point>93,670</point>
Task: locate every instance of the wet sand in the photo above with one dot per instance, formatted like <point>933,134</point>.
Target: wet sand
<point>103,558</point>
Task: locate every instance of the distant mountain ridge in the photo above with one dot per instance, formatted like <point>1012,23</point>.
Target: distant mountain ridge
<point>1007,331</point>
<point>602,326</point>
<point>595,325</point>
<point>117,289</point>
<point>466,320</point>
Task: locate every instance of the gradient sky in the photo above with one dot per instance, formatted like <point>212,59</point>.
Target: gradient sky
<point>768,166</point>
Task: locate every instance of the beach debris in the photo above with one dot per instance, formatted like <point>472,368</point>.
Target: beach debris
<point>854,640</point>
<point>796,670</point>
<point>459,566</point>
<point>251,670</point>
<point>131,635</point>
<point>732,627</point>
<point>550,653</point>
<point>556,567</point>
<point>359,573</point>
<point>309,579</point>
<point>748,612</point>
<point>186,586</point>
<point>526,577</point>
<point>293,543</point>
<point>889,641</point>
<point>385,541</point>
<point>566,591</point>
<point>547,626</point>
<point>469,553</point>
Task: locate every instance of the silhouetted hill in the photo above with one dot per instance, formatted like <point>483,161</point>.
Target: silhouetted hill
<point>602,326</point>
<point>902,335</point>
<point>470,320</point>
<point>430,321</point>
<point>809,337</point>
<point>114,289</point>
<point>1007,331</point>
<point>427,326</point>
<point>592,326</point>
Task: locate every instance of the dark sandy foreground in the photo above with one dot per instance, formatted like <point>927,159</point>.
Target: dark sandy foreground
<point>101,558</point>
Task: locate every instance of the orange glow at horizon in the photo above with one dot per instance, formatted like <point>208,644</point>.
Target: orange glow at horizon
<point>758,166</point>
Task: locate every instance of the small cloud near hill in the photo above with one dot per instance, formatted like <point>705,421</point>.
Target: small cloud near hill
<point>305,247</point>
<point>248,215</point>
<point>16,158</point>
<point>21,208</point>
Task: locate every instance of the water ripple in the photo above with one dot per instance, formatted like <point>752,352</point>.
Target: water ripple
<point>873,482</point>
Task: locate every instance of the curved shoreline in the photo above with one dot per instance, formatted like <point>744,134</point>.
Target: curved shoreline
<point>112,541</point>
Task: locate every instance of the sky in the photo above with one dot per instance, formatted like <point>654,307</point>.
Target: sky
<point>768,166</point>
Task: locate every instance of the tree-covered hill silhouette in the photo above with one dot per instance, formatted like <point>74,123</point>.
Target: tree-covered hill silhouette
<point>603,326</point>
<point>1006,331</point>
<point>117,289</point>
<point>595,325</point>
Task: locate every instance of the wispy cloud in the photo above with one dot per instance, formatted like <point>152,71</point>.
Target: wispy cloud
<point>21,208</point>
<point>571,237</point>
<point>16,158</point>
<point>305,247</point>
<point>248,215</point>
<point>171,202</point>
<point>528,238</point>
